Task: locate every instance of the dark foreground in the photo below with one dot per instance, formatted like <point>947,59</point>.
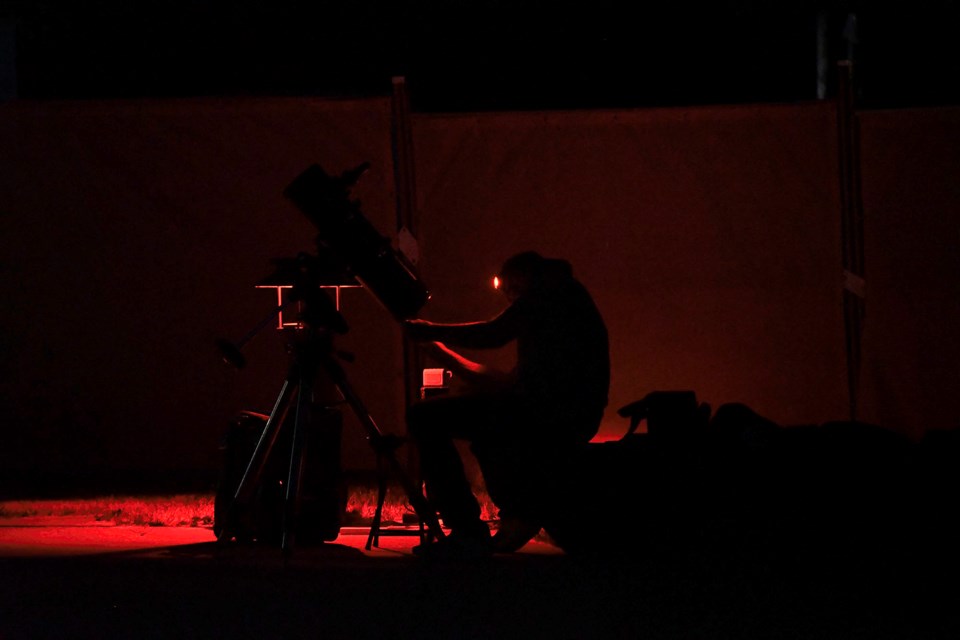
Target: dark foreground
<point>714,589</point>
<point>743,531</point>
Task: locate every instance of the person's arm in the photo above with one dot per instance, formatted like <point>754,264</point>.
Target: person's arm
<point>472,372</point>
<point>488,334</point>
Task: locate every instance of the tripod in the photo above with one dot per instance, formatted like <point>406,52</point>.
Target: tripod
<point>313,360</point>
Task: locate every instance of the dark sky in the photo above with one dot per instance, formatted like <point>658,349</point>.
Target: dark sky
<point>484,54</point>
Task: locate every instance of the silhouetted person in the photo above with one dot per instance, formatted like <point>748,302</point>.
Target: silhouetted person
<point>517,423</point>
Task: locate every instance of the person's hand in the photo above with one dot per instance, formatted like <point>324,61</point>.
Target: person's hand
<point>417,330</point>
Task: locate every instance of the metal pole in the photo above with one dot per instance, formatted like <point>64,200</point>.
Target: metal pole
<point>852,231</point>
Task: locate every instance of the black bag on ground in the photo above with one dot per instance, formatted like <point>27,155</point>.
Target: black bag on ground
<point>323,496</point>
<point>651,482</point>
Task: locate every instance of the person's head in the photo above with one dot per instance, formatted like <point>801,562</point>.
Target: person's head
<point>528,271</point>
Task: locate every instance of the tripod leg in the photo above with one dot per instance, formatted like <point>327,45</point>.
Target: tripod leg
<point>258,460</point>
<point>374,538</point>
<point>417,500</point>
<point>291,504</point>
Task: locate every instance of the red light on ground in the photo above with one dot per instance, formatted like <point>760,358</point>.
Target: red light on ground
<point>496,282</point>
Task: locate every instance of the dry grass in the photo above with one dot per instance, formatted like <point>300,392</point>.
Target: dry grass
<point>196,510</point>
<point>160,511</point>
<point>362,504</point>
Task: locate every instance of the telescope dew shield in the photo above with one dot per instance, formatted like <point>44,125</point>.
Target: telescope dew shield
<point>350,238</point>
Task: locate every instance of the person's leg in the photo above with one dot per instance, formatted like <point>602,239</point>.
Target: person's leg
<point>532,475</point>
<point>511,473</point>
<point>508,470</point>
<point>434,425</point>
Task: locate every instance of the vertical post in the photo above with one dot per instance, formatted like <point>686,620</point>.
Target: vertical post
<point>852,231</point>
<point>822,54</point>
<point>403,169</point>
<point>8,64</point>
<point>405,185</point>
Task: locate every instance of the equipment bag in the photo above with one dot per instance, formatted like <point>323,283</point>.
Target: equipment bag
<point>322,504</point>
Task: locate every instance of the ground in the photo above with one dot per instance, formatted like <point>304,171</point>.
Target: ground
<point>77,578</point>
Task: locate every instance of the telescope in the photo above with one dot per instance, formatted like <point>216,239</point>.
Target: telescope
<point>349,250</point>
<point>347,237</point>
